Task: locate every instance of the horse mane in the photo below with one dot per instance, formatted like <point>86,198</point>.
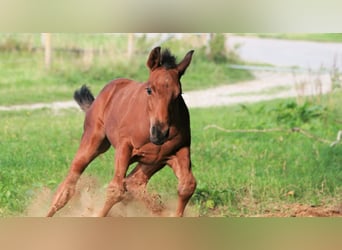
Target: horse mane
<point>168,60</point>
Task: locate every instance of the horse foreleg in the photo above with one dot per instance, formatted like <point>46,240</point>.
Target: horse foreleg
<point>181,165</point>
<point>116,188</point>
<point>136,183</point>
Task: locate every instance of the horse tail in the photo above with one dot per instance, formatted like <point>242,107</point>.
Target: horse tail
<point>84,97</point>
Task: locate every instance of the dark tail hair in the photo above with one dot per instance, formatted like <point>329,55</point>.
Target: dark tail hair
<point>84,97</point>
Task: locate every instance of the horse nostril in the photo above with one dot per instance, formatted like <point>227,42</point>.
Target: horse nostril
<point>166,135</point>
<point>153,131</point>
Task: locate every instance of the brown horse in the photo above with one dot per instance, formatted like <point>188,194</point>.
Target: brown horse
<point>146,123</point>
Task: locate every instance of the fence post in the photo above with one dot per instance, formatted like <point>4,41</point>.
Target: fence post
<point>47,49</point>
<point>130,45</point>
<point>206,42</point>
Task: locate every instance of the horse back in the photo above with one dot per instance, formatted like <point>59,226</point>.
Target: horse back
<point>118,107</point>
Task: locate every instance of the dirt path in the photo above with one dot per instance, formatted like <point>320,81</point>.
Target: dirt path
<point>53,105</point>
<point>266,86</point>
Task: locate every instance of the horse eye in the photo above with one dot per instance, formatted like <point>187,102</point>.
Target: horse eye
<point>149,90</point>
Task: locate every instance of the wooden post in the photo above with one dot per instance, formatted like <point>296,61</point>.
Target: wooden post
<point>130,45</point>
<point>226,46</point>
<point>206,37</point>
<point>47,49</point>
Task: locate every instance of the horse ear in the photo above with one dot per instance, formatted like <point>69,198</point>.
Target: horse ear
<point>182,66</point>
<point>154,59</point>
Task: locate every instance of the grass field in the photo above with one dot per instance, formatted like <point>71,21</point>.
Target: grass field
<point>239,174</point>
<point>316,37</point>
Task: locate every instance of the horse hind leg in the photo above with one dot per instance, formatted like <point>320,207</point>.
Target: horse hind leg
<point>64,193</point>
<point>91,146</point>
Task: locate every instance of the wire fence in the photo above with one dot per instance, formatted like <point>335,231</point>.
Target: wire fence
<point>282,130</point>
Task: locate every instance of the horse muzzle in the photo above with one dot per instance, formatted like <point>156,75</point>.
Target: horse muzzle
<point>158,136</point>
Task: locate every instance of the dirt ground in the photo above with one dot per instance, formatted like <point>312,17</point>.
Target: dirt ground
<point>302,210</point>
<point>90,196</point>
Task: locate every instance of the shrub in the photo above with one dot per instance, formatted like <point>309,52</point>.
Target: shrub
<point>217,49</point>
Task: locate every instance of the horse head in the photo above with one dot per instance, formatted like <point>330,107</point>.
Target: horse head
<point>163,89</point>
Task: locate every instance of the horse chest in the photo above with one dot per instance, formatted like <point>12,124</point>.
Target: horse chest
<point>153,154</point>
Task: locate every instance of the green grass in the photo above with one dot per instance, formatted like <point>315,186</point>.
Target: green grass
<point>36,152</point>
<point>251,172</point>
<point>24,78</point>
<point>316,37</point>
<point>239,174</point>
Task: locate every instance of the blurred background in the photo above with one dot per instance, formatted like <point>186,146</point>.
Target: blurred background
<point>47,67</point>
<point>40,67</point>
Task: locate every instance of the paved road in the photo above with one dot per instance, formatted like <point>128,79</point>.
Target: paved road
<point>287,53</point>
